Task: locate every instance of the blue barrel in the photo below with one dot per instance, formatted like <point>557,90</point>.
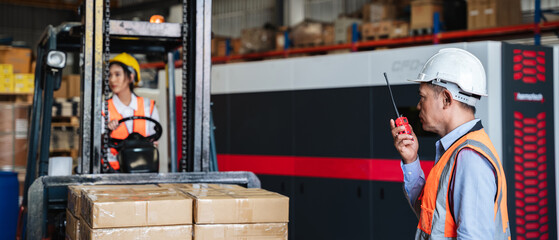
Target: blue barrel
<point>9,191</point>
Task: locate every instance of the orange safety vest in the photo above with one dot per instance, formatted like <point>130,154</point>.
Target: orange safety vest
<point>436,221</point>
<point>138,125</point>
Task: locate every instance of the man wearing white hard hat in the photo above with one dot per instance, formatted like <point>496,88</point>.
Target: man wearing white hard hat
<point>465,194</point>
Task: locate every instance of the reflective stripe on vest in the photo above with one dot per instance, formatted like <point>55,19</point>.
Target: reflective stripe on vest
<point>436,221</point>
<point>121,132</point>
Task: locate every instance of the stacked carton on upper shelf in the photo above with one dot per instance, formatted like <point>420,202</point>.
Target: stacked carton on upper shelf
<point>493,13</point>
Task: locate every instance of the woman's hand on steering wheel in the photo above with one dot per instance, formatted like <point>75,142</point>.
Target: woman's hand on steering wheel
<point>113,125</point>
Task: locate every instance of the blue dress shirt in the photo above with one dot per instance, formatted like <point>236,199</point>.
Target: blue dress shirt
<point>474,187</point>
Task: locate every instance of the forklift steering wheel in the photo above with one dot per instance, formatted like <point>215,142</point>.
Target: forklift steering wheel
<point>114,142</point>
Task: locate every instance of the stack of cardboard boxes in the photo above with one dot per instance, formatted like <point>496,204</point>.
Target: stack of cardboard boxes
<point>15,70</point>
<point>493,13</point>
<point>257,40</point>
<point>423,12</point>
<point>382,20</point>
<point>168,211</point>
<point>311,33</point>
<point>232,212</point>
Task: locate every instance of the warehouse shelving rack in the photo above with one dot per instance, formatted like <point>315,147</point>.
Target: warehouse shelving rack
<point>442,37</point>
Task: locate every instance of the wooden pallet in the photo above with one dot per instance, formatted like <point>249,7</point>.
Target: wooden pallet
<point>59,121</point>
<point>384,30</point>
<point>421,31</point>
<point>64,153</point>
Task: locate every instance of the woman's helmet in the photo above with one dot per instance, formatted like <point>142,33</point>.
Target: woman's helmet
<point>131,63</point>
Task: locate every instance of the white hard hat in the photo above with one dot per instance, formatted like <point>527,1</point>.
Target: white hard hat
<point>456,66</point>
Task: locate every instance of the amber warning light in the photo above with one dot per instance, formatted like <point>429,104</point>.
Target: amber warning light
<point>156,19</point>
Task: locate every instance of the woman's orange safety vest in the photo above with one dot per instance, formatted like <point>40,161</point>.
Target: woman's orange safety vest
<point>436,221</point>
<point>121,132</point>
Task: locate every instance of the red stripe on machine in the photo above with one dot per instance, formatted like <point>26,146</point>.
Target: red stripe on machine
<point>324,167</point>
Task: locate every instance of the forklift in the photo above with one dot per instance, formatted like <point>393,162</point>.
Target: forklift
<point>42,213</point>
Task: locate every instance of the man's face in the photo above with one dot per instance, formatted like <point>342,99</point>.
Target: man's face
<point>430,108</point>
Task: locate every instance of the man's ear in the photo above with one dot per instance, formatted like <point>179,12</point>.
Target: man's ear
<point>446,97</point>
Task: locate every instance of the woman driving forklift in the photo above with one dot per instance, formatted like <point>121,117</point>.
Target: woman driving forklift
<point>124,75</point>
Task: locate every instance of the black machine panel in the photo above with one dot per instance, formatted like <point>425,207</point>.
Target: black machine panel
<point>322,208</point>
<point>343,123</point>
<point>529,155</point>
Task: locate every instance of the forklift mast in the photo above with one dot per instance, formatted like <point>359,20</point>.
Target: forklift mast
<point>94,38</point>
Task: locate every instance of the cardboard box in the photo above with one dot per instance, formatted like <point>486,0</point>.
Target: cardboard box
<point>378,11</point>
<point>74,84</point>
<point>13,135</point>
<point>69,87</point>
<point>62,92</point>
<point>176,232</point>
<point>20,58</point>
<point>6,69</point>
<point>328,34</point>
<point>213,205</point>
<point>7,83</point>
<point>257,40</point>
<point>493,13</point>
<point>422,12</point>
<point>475,18</point>
<point>236,46</point>
<point>24,82</point>
<point>135,207</point>
<point>75,193</point>
<point>310,33</point>
<point>72,226</point>
<point>241,231</point>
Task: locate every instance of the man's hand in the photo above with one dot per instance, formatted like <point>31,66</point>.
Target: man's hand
<point>406,144</point>
<point>113,125</point>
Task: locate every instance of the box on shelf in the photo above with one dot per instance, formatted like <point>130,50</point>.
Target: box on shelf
<point>20,58</point>
<point>219,46</point>
<point>7,83</point>
<point>311,33</point>
<point>493,13</point>
<point>343,29</point>
<point>13,135</point>
<point>378,11</point>
<point>24,82</point>
<point>171,232</point>
<point>328,34</point>
<point>240,231</point>
<point>69,87</point>
<point>257,40</point>
<point>6,69</point>
<point>422,13</point>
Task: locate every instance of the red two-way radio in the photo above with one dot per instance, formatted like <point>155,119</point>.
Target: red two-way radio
<point>400,120</point>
